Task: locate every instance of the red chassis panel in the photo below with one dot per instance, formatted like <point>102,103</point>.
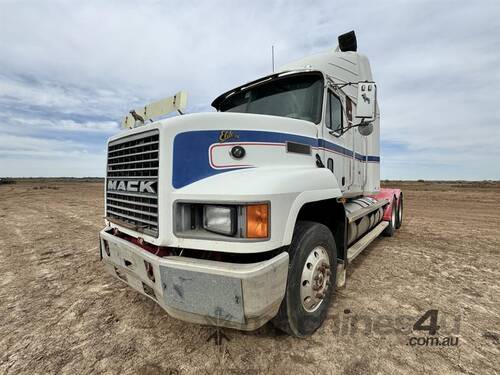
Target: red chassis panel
<point>389,194</point>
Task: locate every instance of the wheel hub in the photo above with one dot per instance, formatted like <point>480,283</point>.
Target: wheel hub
<point>315,279</point>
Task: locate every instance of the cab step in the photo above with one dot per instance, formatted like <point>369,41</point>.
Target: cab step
<point>360,245</point>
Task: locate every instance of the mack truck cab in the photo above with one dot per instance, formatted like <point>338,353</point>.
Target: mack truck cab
<point>254,212</point>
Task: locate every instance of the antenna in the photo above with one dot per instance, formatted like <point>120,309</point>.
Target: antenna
<point>272,56</point>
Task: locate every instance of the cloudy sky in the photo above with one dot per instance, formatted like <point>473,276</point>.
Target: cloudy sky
<point>69,70</point>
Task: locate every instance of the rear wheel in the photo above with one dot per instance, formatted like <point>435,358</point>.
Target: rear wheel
<point>311,280</point>
<point>399,215</point>
<point>391,228</point>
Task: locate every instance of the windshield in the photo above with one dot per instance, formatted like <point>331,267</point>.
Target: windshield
<point>299,96</point>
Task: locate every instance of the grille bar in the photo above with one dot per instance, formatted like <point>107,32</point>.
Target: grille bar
<point>132,218</point>
<point>132,169</point>
<point>130,177</point>
<point>132,181</point>
<point>128,194</point>
<point>133,202</point>
<point>133,162</point>
<point>147,213</point>
<point>135,146</point>
<point>134,154</point>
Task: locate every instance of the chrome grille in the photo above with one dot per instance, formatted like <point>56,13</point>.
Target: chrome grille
<point>132,182</point>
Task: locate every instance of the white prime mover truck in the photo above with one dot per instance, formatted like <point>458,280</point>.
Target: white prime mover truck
<point>254,212</point>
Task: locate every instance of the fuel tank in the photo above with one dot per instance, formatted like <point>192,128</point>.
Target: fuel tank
<point>362,225</point>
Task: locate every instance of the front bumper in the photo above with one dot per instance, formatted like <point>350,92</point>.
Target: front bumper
<point>234,295</point>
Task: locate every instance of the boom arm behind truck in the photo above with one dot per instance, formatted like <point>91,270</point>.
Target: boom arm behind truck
<point>252,213</point>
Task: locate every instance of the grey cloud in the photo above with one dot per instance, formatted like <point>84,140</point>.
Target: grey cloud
<point>79,65</point>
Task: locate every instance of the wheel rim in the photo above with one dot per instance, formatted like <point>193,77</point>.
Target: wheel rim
<point>393,215</point>
<point>400,210</point>
<point>315,279</point>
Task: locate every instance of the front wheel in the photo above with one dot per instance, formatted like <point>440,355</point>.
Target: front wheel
<point>311,280</point>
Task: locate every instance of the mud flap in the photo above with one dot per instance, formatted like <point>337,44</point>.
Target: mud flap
<point>213,296</point>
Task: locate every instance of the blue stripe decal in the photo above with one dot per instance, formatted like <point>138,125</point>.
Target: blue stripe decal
<point>346,152</point>
<point>190,153</point>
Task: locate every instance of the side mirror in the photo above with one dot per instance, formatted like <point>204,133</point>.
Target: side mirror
<point>366,106</point>
<point>367,101</point>
<point>365,128</point>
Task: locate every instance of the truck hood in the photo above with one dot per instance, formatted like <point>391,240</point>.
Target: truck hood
<point>202,144</point>
<point>199,145</point>
<point>227,121</point>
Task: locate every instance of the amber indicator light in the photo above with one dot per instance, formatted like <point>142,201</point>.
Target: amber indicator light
<point>257,221</point>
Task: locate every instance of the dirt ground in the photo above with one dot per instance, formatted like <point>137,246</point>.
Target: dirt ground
<point>61,313</point>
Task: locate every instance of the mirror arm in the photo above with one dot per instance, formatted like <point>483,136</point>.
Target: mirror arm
<point>336,132</point>
<point>349,127</point>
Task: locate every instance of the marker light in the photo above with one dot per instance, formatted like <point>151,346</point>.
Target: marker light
<point>257,221</point>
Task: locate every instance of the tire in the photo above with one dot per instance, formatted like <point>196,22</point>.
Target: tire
<point>311,244</point>
<point>399,212</point>
<point>391,228</point>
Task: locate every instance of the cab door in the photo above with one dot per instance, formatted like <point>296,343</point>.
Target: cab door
<point>337,143</point>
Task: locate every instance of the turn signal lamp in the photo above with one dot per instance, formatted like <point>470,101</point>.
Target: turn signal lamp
<point>258,221</point>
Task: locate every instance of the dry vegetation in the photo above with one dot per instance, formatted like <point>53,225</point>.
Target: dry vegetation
<point>60,313</point>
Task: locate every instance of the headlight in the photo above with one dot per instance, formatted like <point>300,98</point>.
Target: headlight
<point>219,219</point>
<point>246,221</point>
